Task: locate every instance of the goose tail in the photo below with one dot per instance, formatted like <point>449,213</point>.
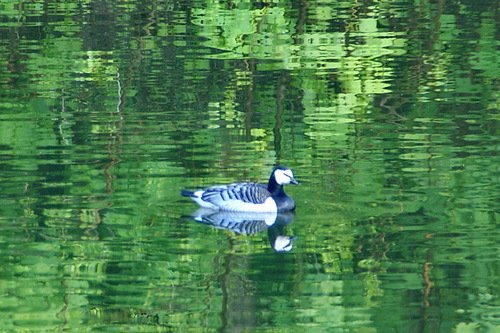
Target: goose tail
<point>187,193</point>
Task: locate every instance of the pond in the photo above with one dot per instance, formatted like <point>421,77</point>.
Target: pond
<point>387,113</point>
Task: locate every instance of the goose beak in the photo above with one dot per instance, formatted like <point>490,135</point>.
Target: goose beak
<point>293,181</point>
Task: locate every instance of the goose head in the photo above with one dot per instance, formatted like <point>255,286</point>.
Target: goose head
<point>283,176</point>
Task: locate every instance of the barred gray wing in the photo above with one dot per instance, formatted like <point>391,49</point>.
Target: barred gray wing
<point>248,227</point>
<point>244,192</point>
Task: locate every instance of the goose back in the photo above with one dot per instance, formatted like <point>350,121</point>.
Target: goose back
<point>237,197</point>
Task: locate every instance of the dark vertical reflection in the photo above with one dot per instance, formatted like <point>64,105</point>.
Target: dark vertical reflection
<point>278,118</point>
<point>239,309</point>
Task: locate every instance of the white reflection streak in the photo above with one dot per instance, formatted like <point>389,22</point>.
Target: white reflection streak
<point>119,95</point>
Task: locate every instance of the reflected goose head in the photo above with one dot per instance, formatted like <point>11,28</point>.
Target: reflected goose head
<point>283,244</point>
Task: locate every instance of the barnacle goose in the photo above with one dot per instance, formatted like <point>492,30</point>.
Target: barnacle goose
<point>248,197</point>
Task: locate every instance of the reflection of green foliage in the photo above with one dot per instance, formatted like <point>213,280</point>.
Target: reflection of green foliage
<point>258,33</point>
<point>108,109</point>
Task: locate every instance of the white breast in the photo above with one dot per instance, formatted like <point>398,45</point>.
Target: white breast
<point>269,206</point>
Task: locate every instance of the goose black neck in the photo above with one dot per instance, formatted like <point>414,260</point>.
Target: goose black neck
<point>274,188</point>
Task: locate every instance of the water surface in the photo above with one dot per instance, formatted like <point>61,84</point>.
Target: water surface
<point>386,112</point>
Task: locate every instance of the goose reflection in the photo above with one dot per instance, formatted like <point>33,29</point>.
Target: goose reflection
<point>251,223</point>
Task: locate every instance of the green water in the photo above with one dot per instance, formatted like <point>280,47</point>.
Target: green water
<point>386,111</point>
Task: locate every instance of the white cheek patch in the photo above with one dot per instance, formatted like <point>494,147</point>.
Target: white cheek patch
<point>283,177</point>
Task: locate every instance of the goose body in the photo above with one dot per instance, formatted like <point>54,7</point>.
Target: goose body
<point>248,197</point>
